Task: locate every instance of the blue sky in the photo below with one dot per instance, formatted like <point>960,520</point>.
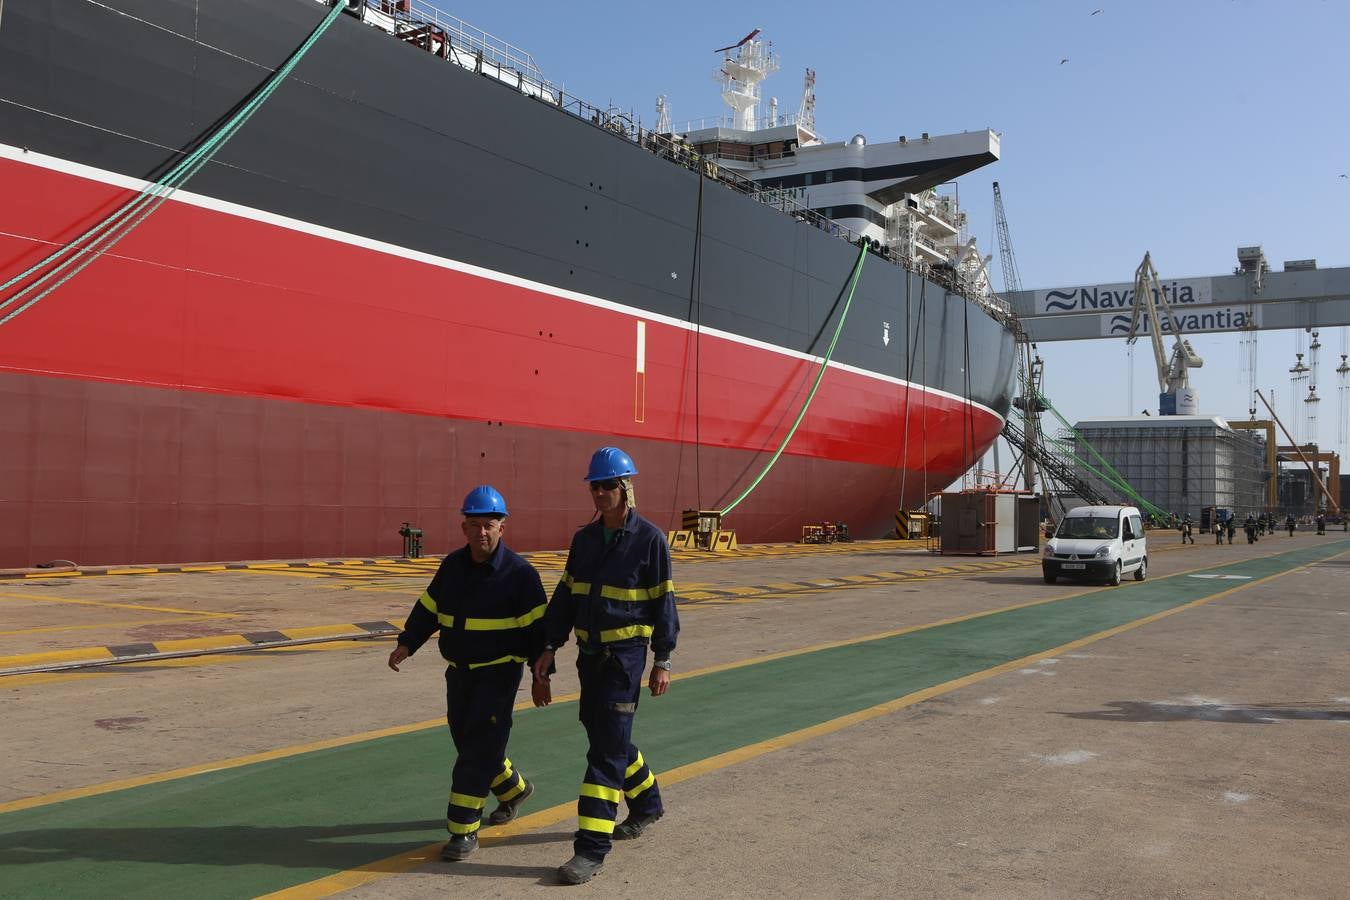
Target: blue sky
<point>1186,128</point>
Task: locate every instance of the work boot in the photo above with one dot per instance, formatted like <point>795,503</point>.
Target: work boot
<point>579,869</point>
<point>634,825</point>
<point>506,810</point>
<point>459,847</point>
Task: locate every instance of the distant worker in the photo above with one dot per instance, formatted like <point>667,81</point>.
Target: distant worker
<point>617,594</point>
<point>488,604</point>
<point>1186,534</point>
<point>1218,530</point>
<point>1231,526</point>
<point>1290,523</point>
<point>1250,527</point>
<point>1321,523</point>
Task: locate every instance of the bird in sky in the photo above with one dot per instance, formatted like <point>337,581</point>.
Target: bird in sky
<point>1343,175</point>
<point>1063,61</point>
<point>1096,11</point>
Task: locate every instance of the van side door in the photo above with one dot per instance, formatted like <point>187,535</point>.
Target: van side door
<point>1132,542</point>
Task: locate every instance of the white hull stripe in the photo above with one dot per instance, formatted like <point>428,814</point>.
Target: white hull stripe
<point>56,164</point>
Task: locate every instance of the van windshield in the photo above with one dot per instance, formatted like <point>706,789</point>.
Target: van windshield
<point>1087,527</point>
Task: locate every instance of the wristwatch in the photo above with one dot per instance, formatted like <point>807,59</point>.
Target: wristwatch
<point>662,664</point>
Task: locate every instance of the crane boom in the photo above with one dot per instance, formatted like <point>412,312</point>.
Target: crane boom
<point>1012,279</point>
<point>1175,394</point>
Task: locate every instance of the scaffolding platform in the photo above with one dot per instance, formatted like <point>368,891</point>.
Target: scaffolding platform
<point>1181,463</point>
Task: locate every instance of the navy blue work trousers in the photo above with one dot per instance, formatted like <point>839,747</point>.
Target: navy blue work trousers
<point>611,681</point>
<point>478,707</point>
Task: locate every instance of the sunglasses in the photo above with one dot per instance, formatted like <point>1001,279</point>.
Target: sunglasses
<point>607,485</point>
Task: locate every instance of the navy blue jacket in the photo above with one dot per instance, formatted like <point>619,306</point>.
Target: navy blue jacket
<point>616,593</point>
<point>488,613</point>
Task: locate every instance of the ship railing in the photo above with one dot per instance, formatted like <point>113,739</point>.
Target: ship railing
<point>745,153</point>
<point>404,17</point>
<point>726,121</point>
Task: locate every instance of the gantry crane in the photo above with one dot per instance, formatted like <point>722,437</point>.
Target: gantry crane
<point>1175,394</point>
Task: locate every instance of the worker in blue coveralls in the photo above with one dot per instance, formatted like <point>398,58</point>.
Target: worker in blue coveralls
<point>617,594</point>
<point>489,606</point>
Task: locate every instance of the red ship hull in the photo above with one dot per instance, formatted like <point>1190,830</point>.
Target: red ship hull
<point>226,384</point>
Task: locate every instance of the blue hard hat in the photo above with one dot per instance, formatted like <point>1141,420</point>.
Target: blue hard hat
<point>610,462</point>
<point>484,500</point>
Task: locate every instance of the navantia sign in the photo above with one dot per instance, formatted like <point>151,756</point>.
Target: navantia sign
<point>1101,297</point>
<point>1191,321</point>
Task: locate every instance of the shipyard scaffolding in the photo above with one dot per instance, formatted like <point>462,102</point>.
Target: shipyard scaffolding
<point>1183,464</point>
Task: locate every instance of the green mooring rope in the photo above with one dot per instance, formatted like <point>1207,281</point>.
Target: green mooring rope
<point>1114,478</point>
<point>106,234</point>
<point>824,364</point>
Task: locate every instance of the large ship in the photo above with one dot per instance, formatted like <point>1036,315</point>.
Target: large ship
<point>421,266</point>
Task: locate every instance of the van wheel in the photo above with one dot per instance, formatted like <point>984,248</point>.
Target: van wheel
<point>1142,572</point>
<point>1115,575</point>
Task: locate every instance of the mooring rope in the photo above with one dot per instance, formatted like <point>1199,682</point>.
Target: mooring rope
<point>824,364</point>
<point>88,247</point>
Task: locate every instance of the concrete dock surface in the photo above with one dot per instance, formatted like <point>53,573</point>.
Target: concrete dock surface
<point>867,719</point>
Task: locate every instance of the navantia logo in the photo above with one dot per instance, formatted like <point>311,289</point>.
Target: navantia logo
<point>1211,319</point>
<point>1062,300</point>
<point>1100,297</point>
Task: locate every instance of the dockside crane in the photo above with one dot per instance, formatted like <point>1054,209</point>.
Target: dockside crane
<point>1175,395</point>
<point>1026,440</point>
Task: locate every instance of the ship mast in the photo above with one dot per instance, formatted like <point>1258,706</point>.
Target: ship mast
<point>741,75</point>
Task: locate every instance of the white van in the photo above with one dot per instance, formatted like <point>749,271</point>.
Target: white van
<point>1097,542</point>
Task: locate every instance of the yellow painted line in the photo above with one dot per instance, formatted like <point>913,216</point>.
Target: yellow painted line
<point>48,628</point>
<point>130,571</point>
<point>202,568</point>
<point>323,631</point>
<point>210,642</point>
<point>381,570</point>
<point>341,569</point>
<point>107,604</point>
<point>125,783</point>
<point>13,681</point>
<point>55,656</point>
<point>285,573</point>
<point>405,862</point>
<point>213,642</point>
<point>183,663</point>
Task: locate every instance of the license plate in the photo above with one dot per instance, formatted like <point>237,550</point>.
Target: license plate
<point>1074,566</point>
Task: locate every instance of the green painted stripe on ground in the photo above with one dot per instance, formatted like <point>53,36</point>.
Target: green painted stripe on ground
<point>266,826</point>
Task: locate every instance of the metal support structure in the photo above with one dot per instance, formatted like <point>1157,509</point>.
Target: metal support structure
<point>1272,462</point>
<point>1332,459</point>
<point>1300,298</point>
<point>1312,469</point>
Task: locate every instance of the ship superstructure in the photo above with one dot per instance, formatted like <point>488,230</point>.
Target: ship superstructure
<point>888,192</point>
